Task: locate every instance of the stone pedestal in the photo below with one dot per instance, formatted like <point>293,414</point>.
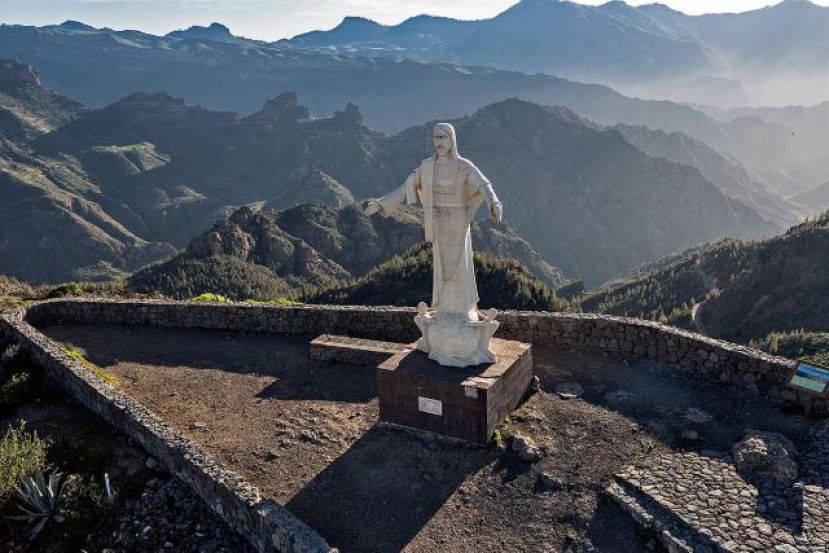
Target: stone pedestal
<point>331,348</point>
<point>465,403</point>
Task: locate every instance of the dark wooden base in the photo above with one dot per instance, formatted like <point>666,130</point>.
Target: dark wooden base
<point>465,403</point>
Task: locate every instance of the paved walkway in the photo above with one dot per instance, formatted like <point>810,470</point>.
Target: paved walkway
<point>699,502</point>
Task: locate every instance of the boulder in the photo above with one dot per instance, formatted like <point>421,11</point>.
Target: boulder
<point>767,455</point>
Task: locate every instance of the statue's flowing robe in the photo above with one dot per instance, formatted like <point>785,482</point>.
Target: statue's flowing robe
<point>449,206</point>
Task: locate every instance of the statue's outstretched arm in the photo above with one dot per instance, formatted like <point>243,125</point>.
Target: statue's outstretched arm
<point>485,189</point>
<point>390,201</point>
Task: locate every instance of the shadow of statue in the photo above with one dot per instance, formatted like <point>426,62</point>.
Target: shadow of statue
<point>385,488</point>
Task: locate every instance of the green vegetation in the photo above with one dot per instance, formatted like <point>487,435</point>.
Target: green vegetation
<point>210,297</point>
<point>668,289</point>
<point>21,454</point>
<point>16,390</point>
<point>739,291</point>
<point>103,374</point>
<point>69,289</point>
<point>407,280</point>
<point>41,500</point>
<point>186,277</point>
<point>797,344</point>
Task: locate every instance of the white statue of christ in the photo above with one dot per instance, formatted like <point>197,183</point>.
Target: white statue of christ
<point>450,189</point>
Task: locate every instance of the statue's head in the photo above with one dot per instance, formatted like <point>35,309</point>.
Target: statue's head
<point>446,143</point>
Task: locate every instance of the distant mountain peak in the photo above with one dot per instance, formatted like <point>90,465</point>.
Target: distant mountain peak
<point>215,31</point>
<point>284,107</point>
<point>358,21</point>
<point>350,115</point>
<point>72,25</point>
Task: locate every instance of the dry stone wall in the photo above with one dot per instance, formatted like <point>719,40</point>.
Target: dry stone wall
<point>751,370</point>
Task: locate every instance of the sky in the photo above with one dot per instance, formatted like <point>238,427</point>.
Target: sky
<point>275,19</point>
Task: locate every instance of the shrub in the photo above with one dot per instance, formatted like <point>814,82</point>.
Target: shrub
<point>21,454</point>
<point>64,290</point>
<point>210,297</point>
<point>10,286</point>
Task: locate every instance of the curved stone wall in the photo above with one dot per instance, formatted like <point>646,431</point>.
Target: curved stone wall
<point>751,370</point>
<point>271,527</point>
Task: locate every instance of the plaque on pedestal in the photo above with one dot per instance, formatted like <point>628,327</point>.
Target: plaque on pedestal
<point>464,403</point>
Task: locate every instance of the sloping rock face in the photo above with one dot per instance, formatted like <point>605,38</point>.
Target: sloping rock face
<point>767,455</point>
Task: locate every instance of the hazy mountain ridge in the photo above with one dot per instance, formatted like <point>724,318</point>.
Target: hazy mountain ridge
<point>26,108</point>
<point>165,171</point>
<point>815,200</point>
<point>725,172</point>
<point>531,36</point>
<point>100,66</point>
<point>704,58</point>
<point>53,226</point>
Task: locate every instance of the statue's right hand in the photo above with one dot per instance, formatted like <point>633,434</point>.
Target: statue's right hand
<point>372,207</point>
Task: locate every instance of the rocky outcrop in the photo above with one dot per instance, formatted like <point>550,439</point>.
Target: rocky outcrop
<point>12,72</point>
<point>767,456</point>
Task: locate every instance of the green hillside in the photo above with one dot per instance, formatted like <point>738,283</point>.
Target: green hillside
<point>736,290</point>
<point>407,280</point>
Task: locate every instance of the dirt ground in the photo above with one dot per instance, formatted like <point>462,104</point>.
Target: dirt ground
<point>305,434</point>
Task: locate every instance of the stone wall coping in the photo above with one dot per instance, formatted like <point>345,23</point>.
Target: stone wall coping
<point>508,314</point>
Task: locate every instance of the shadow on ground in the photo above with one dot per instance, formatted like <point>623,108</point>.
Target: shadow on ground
<point>368,500</point>
<point>286,358</point>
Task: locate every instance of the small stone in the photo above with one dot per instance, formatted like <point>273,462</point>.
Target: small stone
<point>697,416</point>
<point>199,425</point>
<point>569,390</point>
<point>309,436</point>
<point>529,454</point>
<point>690,435</point>
<point>526,448</point>
<point>151,463</point>
<point>551,482</point>
<point>147,529</point>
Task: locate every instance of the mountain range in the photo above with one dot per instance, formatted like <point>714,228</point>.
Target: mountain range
<point>775,55</point>
<point>149,173</point>
<point>208,66</point>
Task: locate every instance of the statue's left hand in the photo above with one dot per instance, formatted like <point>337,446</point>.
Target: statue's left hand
<point>496,210</point>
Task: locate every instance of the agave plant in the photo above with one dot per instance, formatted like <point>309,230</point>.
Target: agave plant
<point>41,499</point>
